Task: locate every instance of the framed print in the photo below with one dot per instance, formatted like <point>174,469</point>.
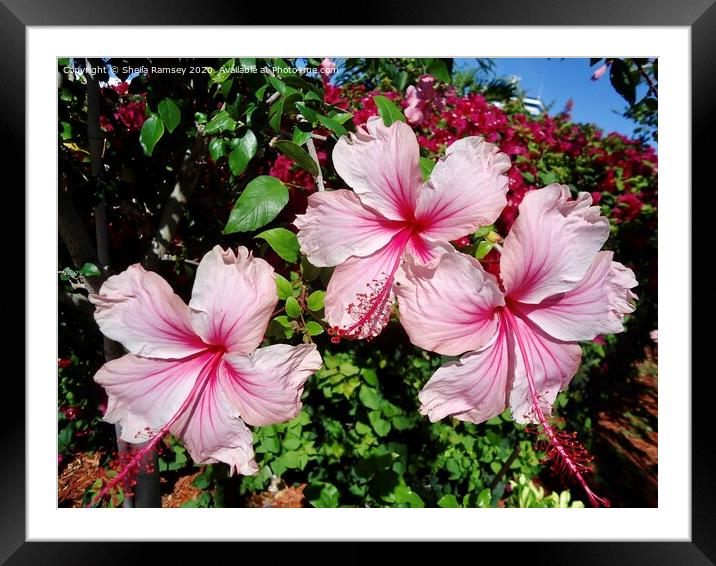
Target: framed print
<point>414,285</point>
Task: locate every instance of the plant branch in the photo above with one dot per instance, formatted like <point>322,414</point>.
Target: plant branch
<point>647,78</point>
<point>312,152</point>
<point>175,206</point>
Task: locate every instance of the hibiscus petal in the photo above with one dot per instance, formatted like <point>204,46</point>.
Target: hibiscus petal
<point>145,394</point>
<point>467,189</point>
<point>597,304</point>
<point>360,293</point>
<point>139,309</point>
<point>212,431</point>
<point>233,299</point>
<point>425,249</point>
<point>474,389</point>
<point>551,364</point>
<point>266,387</point>
<point>381,166</point>
<point>552,244</point>
<point>448,306</point>
<point>336,226</point>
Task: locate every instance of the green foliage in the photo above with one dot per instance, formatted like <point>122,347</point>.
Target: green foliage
<point>388,110</point>
<point>259,203</point>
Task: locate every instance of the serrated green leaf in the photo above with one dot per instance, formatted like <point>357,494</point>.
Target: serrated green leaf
<point>293,309</point>
<point>379,424</point>
<point>388,110</point>
<point>299,155</point>
<point>282,241</point>
<point>169,113</point>
<point>259,203</point>
<point>315,300</point>
<point>152,131</point>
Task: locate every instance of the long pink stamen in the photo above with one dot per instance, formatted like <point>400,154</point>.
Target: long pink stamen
<point>138,456</point>
<point>563,449</point>
<point>371,310</point>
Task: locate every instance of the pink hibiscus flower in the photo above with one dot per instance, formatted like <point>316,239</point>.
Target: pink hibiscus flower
<point>392,214</point>
<point>518,334</point>
<point>195,370</point>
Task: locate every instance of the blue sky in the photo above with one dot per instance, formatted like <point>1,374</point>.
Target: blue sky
<point>557,80</point>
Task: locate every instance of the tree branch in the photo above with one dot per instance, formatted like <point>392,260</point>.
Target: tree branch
<point>176,203</point>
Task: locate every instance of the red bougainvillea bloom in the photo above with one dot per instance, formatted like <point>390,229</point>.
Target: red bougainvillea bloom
<point>518,333</point>
<point>391,214</point>
<point>419,97</point>
<point>195,370</point>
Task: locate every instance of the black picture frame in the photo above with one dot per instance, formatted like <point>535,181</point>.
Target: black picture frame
<point>699,15</point>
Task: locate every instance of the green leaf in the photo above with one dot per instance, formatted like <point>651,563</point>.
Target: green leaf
<point>217,147</point>
<point>221,122</point>
<point>315,300</point>
<point>259,203</point>
<point>622,81</point>
<point>388,110</point>
<point>484,498</point>
<point>201,482</point>
<point>293,309</point>
<point>369,397</point>
<point>483,248</point>
<point>90,270</point>
<point>152,130</point>
<point>300,137</point>
<point>548,178</point>
<point>332,125</point>
<point>223,73</point>
<point>275,114</point>
<point>449,501</point>
<point>426,167</point>
<point>299,155</point>
<point>484,231</point>
<point>283,287</point>
<point>439,70</point>
<point>326,494</point>
<point>282,241</point>
<point>307,113</point>
<point>239,158</point>
<point>313,328</point>
<point>169,113</point>
<point>379,424</point>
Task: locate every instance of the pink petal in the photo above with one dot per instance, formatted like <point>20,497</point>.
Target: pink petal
<point>212,431</point>
<point>552,244</point>
<point>466,190</point>
<point>448,306</point>
<point>473,389</point>
<point>139,309</point>
<point>233,299</point>
<point>381,166</point>
<point>425,249</point>
<point>551,363</point>
<point>336,226</point>
<point>360,293</point>
<point>266,386</point>
<point>597,304</point>
<point>145,394</point>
